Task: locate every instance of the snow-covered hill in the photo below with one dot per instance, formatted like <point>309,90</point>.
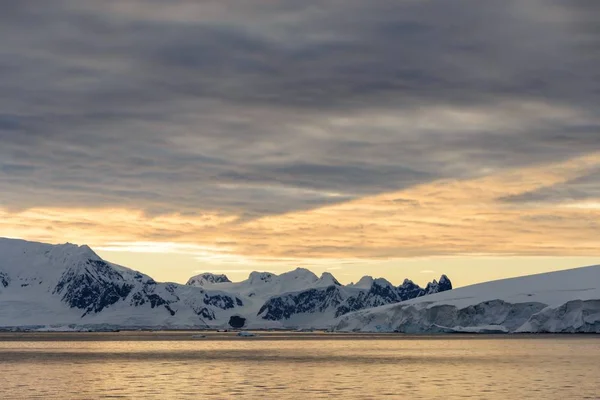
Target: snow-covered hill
<point>563,301</point>
<point>60,285</point>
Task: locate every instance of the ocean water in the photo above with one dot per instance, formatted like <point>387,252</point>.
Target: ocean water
<point>160,365</point>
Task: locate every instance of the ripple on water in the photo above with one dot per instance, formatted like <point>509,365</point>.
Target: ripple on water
<point>352,368</point>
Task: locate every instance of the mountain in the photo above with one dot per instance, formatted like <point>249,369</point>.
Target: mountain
<point>555,302</point>
<point>262,285</point>
<point>326,302</point>
<point>45,284</point>
<point>301,299</point>
<point>61,285</point>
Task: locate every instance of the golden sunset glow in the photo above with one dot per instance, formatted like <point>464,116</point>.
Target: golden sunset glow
<point>468,220</point>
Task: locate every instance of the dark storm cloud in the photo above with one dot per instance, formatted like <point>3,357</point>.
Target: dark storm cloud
<point>265,107</point>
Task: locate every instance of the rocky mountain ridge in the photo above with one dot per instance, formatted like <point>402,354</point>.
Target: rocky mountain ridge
<point>42,285</point>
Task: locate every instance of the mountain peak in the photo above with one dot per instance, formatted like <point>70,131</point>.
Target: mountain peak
<point>382,282</point>
<point>444,283</point>
<point>364,283</point>
<point>300,273</point>
<point>207,278</point>
<point>435,287</point>
<point>327,279</point>
<point>260,277</point>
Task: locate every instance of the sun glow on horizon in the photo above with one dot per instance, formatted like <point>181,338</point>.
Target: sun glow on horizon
<point>467,219</point>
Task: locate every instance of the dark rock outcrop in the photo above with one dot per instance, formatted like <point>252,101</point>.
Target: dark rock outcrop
<point>312,300</point>
<point>237,322</point>
<point>340,300</point>
<point>92,287</point>
<point>4,279</point>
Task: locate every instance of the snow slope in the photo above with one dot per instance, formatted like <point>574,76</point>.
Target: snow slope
<point>207,279</point>
<point>563,301</point>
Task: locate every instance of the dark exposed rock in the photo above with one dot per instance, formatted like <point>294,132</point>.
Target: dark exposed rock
<point>206,314</point>
<point>409,290</point>
<point>4,279</point>
<point>344,300</point>
<point>441,286</point>
<point>93,287</point>
<point>237,322</point>
<point>444,284</point>
<point>170,310</point>
<point>224,302</point>
<point>155,300</point>
<point>256,277</point>
<point>311,300</point>
<point>96,285</point>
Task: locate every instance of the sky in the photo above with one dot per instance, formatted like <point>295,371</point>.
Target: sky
<point>395,138</point>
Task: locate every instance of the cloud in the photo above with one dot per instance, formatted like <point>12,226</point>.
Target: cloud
<point>448,217</point>
<point>577,190</point>
<point>268,108</point>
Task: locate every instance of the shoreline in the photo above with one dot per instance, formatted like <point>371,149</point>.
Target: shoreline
<point>188,335</point>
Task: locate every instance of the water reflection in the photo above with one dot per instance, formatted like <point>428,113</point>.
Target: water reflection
<point>169,366</point>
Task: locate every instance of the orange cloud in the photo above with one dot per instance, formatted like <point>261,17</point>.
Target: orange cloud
<point>442,218</point>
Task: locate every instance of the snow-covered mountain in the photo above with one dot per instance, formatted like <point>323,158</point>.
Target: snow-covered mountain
<point>262,285</point>
<point>301,299</point>
<point>45,284</point>
<point>42,284</point>
<point>325,302</point>
<point>563,301</point>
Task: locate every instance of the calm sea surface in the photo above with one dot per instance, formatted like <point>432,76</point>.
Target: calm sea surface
<point>162,365</point>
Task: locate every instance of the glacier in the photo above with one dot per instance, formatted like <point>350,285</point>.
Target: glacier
<point>555,302</point>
